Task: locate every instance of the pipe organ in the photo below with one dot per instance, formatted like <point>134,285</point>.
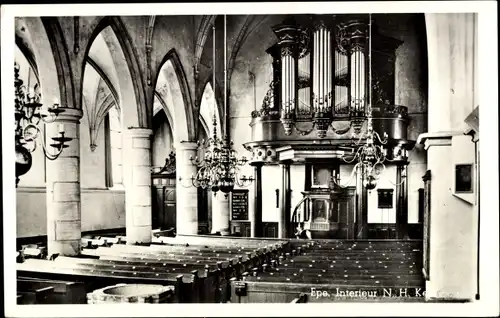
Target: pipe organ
<point>324,72</point>
<point>323,66</point>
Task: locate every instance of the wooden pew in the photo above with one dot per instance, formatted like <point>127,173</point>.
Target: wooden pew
<point>339,270</point>
<point>192,255</point>
<point>327,265</point>
<point>361,265</point>
<point>225,268</point>
<point>205,284</point>
<point>184,285</point>
<point>32,251</point>
<point>302,298</point>
<point>65,292</point>
<point>203,240</point>
<point>351,280</point>
<point>286,292</point>
<point>32,294</point>
<point>241,263</point>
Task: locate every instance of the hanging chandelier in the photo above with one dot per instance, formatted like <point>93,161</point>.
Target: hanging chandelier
<point>368,152</point>
<point>219,167</point>
<point>29,115</point>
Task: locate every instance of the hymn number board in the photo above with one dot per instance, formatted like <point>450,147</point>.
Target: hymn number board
<point>239,205</point>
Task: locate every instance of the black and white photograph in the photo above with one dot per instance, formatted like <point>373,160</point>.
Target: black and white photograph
<point>267,154</point>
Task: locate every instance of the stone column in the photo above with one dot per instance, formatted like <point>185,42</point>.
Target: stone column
<point>401,202</point>
<point>138,185</point>
<point>453,223</point>
<point>186,193</point>
<point>361,206</point>
<point>63,188</point>
<point>450,45</point>
<point>256,214</point>
<point>220,214</point>
<point>284,212</point>
<point>398,201</point>
<point>404,217</point>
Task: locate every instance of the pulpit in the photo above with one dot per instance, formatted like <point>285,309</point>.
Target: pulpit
<point>330,214</point>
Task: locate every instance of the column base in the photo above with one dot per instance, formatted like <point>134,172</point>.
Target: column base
<point>139,235</point>
<point>64,248</point>
<point>187,228</point>
<point>222,232</point>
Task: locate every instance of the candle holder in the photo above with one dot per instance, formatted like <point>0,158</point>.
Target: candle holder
<point>29,114</point>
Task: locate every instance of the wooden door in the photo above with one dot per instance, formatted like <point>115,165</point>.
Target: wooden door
<point>344,207</point>
<point>163,201</point>
<point>342,213</point>
<point>169,215</point>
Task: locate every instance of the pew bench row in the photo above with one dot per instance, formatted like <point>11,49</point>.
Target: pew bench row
<point>197,273</point>
<point>32,290</point>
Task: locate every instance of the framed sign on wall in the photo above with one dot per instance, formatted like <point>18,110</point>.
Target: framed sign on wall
<point>463,178</point>
<point>239,205</point>
<point>385,198</point>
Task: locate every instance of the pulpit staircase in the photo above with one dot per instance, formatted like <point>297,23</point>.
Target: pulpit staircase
<point>299,215</point>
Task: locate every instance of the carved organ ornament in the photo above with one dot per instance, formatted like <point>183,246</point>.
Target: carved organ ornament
<point>321,74</point>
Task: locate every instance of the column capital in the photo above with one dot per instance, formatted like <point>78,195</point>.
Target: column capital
<point>442,138</point>
<point>257,164</point>
<point>70,115</point>
<point>139,132</point>
<point>285,162</point>
<point>187,145</point>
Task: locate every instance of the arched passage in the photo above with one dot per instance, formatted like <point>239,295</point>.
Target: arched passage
<point>63,217</point>
<point>126,76</point>
<point>209,111</point>
<point>51,71</point>
<point>111,48</point>
<point>171,84</point>
<point>163,133</point>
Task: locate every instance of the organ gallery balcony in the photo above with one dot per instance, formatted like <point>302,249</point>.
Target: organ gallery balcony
<point>268,131</point>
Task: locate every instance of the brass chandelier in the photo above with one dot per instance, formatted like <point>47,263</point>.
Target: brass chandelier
<point>29,115</point>
<point>368,152</point>
<point>219,168</point>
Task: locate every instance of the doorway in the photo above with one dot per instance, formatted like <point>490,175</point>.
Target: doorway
<point>163,196</point>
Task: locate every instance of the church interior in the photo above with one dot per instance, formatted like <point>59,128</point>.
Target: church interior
<point>247,158</point>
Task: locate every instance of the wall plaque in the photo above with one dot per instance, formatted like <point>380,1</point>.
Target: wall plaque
<point>239,205</point>
<point>463,178</point>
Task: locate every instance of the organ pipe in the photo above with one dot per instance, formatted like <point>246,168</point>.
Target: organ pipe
<point>322,80</point>
<point>288,84</point>
<point>322,70</point>
<point>339,79</point>
<point>315,74</point>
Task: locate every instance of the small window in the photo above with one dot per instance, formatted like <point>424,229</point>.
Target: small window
<point>385,198</point>
<point>463,178</point>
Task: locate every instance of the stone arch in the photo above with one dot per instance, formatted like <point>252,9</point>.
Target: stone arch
<point>171,73</point>
<point>28,55</point>
<point>208,111</point>
<point>219,95</point>
<point>63,65</point>
<point>106,79</point>
<point>163,140</point>
<point>251,23</point>
<point>205,127</point>
<point>131,92</point>
<point>51,58</point>
<point>202,35</point>
<point>166,109</point>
